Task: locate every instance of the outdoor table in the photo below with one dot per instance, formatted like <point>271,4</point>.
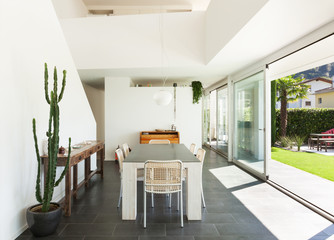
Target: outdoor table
<point>319,138</point>
<point>144,152</point>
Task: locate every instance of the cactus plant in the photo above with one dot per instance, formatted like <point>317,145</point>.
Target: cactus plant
<point>53,142</point>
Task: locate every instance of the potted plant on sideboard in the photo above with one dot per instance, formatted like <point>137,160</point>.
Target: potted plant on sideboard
<point>43,218</point>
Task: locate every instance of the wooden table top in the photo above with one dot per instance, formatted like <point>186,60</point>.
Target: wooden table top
<point>144,152</point>
<point>78,154</point>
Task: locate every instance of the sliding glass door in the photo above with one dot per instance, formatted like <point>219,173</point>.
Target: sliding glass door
<point>249,123</point>
<point>222,120</point>
<point>213,118</point>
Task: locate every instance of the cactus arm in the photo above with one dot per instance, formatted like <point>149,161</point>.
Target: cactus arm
<point>56,145</point>
<point>48,183</point>
<point>38,179</point>
<point>63,86</point>
<point>46,78</point>
<point>66,166</point>
<point>55,82</point>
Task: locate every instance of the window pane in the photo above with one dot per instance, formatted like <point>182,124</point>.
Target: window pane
<point>249,122</point>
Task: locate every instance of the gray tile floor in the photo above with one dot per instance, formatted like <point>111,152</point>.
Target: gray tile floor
<point>238,207</point>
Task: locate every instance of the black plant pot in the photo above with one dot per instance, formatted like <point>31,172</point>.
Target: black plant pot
<point>43,223</point>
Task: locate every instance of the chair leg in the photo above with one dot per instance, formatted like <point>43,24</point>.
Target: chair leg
<point>152,200</point>
<point>181,210</point>
<point>120,194</point>
<point>202,196</point>
<point>144,208</point>
<point>170,200</point>
<point>178,201</point>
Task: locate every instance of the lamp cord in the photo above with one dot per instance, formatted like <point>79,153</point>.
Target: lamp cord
<point>163,51</point>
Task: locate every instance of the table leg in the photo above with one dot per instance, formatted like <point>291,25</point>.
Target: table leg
<point>68,196</point>
<point>87,171</point>
<point>75,180</point>
<point>194,204</point>
<point>101,161</point>
<point>129,196</point>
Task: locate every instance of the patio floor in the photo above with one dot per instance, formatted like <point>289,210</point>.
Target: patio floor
<point>238,207</point>
<point>312,188</point>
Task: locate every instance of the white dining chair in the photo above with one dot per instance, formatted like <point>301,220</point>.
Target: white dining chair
<point>159,141</point>
<point>140,176</point>
<point>140,173</point>
<point>201,156</point>
<point>126,149</point>
<point>163,177</point>
<point>192,148</point>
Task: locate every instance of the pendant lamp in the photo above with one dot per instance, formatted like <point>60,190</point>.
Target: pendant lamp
<point>162,97</point>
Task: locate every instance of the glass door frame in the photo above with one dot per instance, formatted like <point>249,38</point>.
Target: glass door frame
<point>205,124</point>
<point>267,125</point>
<point>224,86</point>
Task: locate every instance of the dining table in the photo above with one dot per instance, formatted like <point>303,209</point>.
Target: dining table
<point>143,152</point>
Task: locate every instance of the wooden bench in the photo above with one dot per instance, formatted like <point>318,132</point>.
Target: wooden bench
<point>313,140</point>
<point>325,145</point>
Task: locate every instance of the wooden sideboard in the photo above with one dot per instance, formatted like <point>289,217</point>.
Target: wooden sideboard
<point>77,155</point>
<point>172,136</point>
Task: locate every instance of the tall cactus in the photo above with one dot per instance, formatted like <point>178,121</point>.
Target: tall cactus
<point>53,142</point>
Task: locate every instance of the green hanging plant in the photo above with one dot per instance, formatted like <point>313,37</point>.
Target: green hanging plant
<point>197,91</point>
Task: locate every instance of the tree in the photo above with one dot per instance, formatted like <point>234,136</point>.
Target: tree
<point>290,89</point>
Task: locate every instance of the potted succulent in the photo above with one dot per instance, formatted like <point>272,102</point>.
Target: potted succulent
<point>43,218</point>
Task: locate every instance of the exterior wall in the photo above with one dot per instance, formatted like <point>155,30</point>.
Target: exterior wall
<point>315,86</point>
<point>301,103</point>
<point>327,100</point>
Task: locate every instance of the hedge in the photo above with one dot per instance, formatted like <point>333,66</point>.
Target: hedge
<point>303,121</point>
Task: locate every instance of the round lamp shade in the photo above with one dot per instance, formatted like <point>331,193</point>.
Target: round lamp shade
<point>162,97</point>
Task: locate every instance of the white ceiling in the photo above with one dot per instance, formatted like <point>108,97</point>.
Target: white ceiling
<point>277,24</point>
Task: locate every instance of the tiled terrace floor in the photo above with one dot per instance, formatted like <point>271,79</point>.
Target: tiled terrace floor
<point>238,207</point>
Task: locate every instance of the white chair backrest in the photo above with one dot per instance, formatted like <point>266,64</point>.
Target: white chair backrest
<point>201,154</point>
<point>120,157</point>
<point>159,141</point>
<point>126,149</point>
<point>192,148</point>
<point>163,176</point>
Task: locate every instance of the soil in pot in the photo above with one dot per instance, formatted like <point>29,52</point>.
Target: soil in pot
<point>43,223</point>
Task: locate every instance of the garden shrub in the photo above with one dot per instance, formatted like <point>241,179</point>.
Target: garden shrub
<point>286,142</point>
<point>303,121</point>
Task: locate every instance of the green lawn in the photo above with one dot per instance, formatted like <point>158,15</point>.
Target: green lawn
<point>317,164</point>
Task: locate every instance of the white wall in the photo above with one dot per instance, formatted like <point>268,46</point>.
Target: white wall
<point>70,8</point>
<point>31,35</point>
<point>96,100</point>
<point>130,110</point>
<point>133,41</point>
<point>224,19</point>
